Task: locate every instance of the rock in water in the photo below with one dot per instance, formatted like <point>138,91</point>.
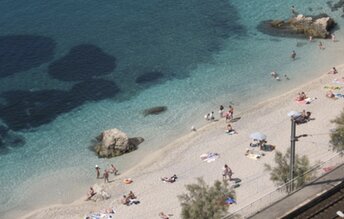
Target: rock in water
<point>154,110</point>
<point>113,142</point>
<point>299,26</point>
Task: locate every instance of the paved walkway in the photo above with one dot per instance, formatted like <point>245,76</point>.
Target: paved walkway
<point>303,196</point>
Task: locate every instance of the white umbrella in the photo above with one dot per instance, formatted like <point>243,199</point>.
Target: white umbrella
<point>258,136</point>
<point>294,114</point>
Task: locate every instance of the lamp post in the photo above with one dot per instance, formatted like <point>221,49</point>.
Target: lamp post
<point>292,115</point>
<point>292,152</point>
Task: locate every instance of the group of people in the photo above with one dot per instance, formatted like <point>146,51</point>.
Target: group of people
<point>112,169</point>
<point>301,96</point>
<point>130,199</point>
<point>303,118</point>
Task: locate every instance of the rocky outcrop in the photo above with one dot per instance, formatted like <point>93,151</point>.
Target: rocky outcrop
<point>154,110</point>
<point>299,26</point>
<point>113,142</point>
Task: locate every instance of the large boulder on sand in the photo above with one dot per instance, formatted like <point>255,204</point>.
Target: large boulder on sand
<point>299,26</point>
<point>113,142</point>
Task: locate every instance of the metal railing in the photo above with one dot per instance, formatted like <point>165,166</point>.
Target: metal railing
<point>280,192</point>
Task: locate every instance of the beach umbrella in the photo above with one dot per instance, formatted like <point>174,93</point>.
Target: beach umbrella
<point>258,136</point>
<point>294,114</point>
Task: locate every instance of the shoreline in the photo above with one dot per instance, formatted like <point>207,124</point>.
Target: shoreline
<point>154,162</point>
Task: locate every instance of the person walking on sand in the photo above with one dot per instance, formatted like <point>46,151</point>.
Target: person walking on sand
<point>293,55</point>
<point>97,171</point>
<point>113,170</point>
<point>227,172</point>
<point>106,176</point>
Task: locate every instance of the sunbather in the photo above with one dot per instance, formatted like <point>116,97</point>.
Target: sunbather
<point>126,200</point>
<point>90,194</point>
<point>301,96</point>
<point>131,195</point>
<point>163,216</point>
<point>171,179</point>
<point>305,117</point>
<point>330,94</point>
<point>230,129</point>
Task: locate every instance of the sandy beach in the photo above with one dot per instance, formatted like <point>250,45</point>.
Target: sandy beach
<point>182,157</point>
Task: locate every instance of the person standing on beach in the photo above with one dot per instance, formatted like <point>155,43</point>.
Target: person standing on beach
<point>321,46</point>
<point>106,176</point>
<point>221,111</point>
<point>98,171</point>
<point>293,10</point>
<point>333,37</point>
<point>293,55</point>
<point>227,172</point>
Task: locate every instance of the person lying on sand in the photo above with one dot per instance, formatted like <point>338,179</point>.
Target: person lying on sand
<point>171,179</point>
<point>162,215</point>
<point>90,194</point>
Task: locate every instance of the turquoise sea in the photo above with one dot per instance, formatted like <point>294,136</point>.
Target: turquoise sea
<point>71,69</point>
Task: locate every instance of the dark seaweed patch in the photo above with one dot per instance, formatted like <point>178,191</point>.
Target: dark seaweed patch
<point>93,90</point>
<point>149,77</point>
<point>22,52</point>
<point>9,140</point>
<point>29,109</point>
<point>82,63</point>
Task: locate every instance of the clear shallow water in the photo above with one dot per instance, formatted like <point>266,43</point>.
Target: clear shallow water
<point>208,53</point>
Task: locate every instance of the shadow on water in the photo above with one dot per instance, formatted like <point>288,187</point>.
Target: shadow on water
<point>172,39</point>
<point>179,36</point>
<point>149,77</point>
<point>9,140</point>
<point>82,63</point>
<point>22,52</point>
<point>29,109</point>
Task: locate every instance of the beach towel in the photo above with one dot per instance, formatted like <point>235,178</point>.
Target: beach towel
<point>332,87</point>
<point>308,100</point>
<point>209,157</point>
<point>230,201</point>
<point>231,132</point>
<point>338,81</point>
<point>337,95</point>
<point>253,154</point>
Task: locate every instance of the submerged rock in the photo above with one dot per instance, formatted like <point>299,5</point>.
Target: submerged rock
<point>149,77</point>
<point>113,142</point>
<point>299,26</point>
<point>154,110</point>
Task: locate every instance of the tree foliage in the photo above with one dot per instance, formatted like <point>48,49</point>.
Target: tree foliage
<point>205,202</point>
<point>280,174</point>
<point>337,136</point>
